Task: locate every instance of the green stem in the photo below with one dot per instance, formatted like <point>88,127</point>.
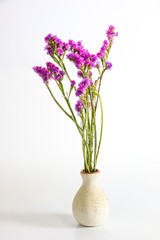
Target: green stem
<point>60,85</point>
<point>58,102</point>
<point>91,125</point>
<point>83,146</point>
<point>99,87</point>
<point>100,131</point>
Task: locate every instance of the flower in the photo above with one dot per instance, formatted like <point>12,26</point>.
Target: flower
<point>43,73</point>
<point>111,33</point>
<point>49,36</point>
<point>60,51</point>
<point>98,64</point>
<point>108,65</point>
<point>52,68</point>
<point>103,49</point>
<point>76,58</point>
<point>80,91</point>
<point>58,74</point>
<point>80,74</point>
<point>85,83</point>
<point>49,49</point>
<point>62,73</point>
<point>65,46</point>
<point>73,83</point>
<point>79,106</point>
<point>82,86</point>
<point>58,77</point>
<point>93,58</point>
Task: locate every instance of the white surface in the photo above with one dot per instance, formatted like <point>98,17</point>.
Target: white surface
<point>37,142</point>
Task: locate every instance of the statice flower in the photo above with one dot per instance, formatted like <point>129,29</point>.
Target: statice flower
<point>43,73</point>
<point>80,91</point>
<point>76,59</point>
<point>62,73</point>
<point>111,33</point>
<point>108,65</point>
<point>89,64</point>
<point>65,46</point>
<point>103,49</point>
<point>52,68</point>
<point>58,74</point>
<point>93,58</point>
<point>58,77</point>
<point>60,51</point>
<point>48,37</point>
<point>73,83</point>
<point>82,86</point>
<point>80,74</point>
<point>49,49</point>
<point>79,106</point>
<point>85,83</point>
<point>55,45</point>
<point>98,64</point>
<point>72,44</point>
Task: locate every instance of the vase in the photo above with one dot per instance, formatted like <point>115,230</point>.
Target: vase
<point>90,205</point>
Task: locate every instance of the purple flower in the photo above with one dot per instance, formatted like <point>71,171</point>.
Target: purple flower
<point>65,46</point>
<point>105,43</point>
<point>58,77</point>
<point>80,91</point>
<point>49,36</point>
<point>111,33</point>
<point>108,65</point>
<point>60,51</point>
<point>98,64</point>
<point>76,58</point>
<point>80,74</point>
<point>53,68</point>
<point>62,73</point>
<point>93,58</point>
<point>89,64</point>
<point>43,73</point>
<point>58,74</point>
<point>49,50</point>
<point>72,44</point>
<point>79,106</point>
<point>103,49</point>
<point>90,73</point>
<point>85,83</point>
<point>73,83</point>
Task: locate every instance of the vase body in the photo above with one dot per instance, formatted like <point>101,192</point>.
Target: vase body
<point>90,205</point>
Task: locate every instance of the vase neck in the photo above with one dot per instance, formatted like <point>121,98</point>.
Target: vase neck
<point>90,179</point>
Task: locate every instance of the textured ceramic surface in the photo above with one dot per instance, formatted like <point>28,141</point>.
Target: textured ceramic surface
<point>90,205</point>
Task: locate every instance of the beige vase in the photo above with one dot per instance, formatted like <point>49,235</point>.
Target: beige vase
<point>90,205</point>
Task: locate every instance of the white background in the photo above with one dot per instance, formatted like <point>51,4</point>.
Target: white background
<point>40,149</point>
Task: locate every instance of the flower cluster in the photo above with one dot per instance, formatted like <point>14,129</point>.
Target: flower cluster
<point>111,33</point>
<point>108,65</point>
<point>58,74</point>
<point>81,57</point>
<point>55,45</point>
<point>73,83</point>
<point>82,86</point>
<point>43,73</point>
<point>103,50</point>
<point>79,106</point>
<point>87,90</point>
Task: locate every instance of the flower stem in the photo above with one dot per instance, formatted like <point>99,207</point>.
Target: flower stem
<point>95,162</point>
<point>47,85</point>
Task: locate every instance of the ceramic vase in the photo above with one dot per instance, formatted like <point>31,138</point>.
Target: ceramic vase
<point>90,205</point>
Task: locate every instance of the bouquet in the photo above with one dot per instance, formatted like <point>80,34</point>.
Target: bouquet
<point>87,89</point>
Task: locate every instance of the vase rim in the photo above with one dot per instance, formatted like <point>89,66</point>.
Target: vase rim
<point>83,172</point>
